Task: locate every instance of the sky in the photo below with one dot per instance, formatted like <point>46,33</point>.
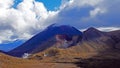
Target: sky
<point>22,19</point>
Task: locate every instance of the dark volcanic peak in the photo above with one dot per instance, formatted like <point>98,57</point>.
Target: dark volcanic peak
<point>92,33</point>
<point>44,39</point>
<point>63,29</point>
<point>92,29</point>
<point>102,40</point>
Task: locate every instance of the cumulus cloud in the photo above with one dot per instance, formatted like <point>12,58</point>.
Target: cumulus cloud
<point>31,17</point>
<point>6,4</point>
<point>23,22</point>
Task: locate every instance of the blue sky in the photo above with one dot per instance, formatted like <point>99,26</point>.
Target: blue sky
<point>16,2</point>
<point>50,5</point>
<point>22,19</point>
<point>11,45</point>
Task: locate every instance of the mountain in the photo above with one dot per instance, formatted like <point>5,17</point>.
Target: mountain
<point>65,44</point>
<point>67,39</point>
<point>92,33</point>
<point>47,38</point>
<point>96,40</point>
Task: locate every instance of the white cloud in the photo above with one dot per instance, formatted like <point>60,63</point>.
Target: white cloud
<point>23,22</point>
<point>105,29</point>
<point>6,35</point>
<point>96,11</point>
<point>6,3</point>
<point>86,2</point>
